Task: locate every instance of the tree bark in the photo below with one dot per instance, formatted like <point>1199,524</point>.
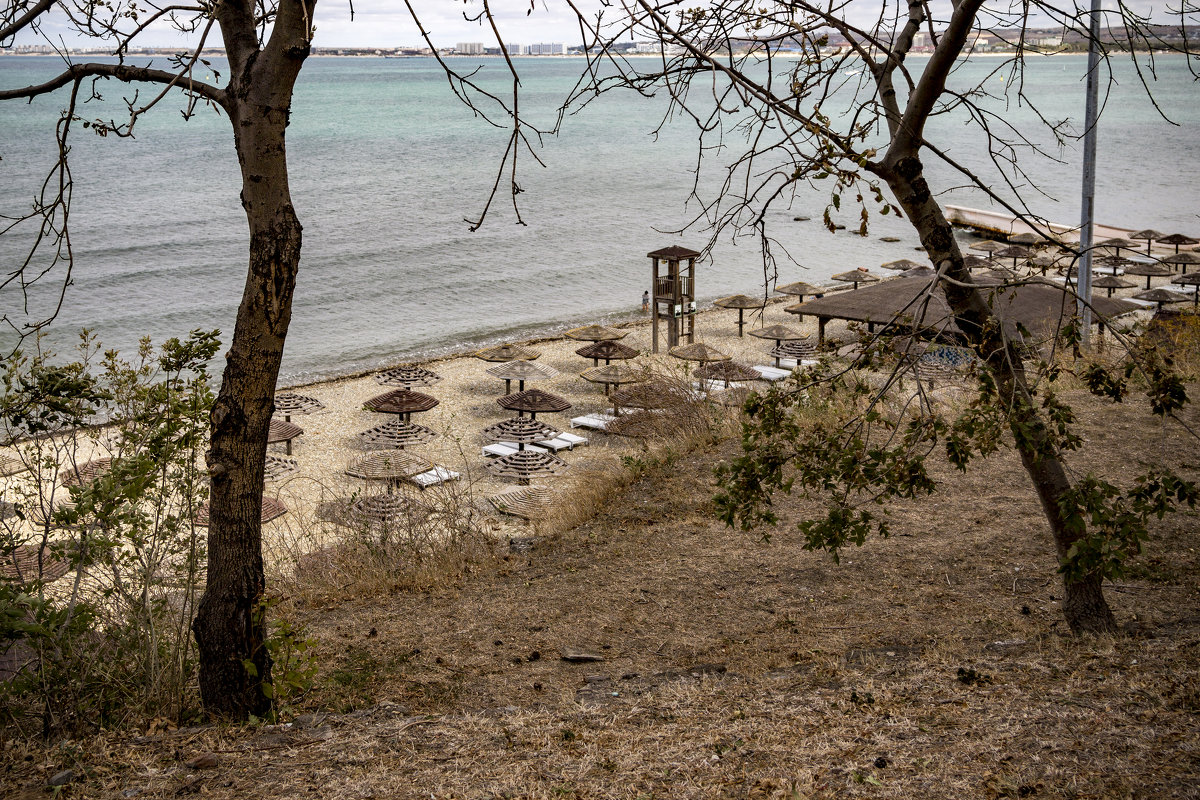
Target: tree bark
<point>230,620</point>
<point>1084,606</point>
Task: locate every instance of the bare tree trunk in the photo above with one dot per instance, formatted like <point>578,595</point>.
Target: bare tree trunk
<point>1084,605</point>
<point>229,624</point>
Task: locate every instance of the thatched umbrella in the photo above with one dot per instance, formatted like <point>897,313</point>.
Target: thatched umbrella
<point>1190,280</point>
<point>291,404</point>
<point>404,402</point>
<point>521,430</point>
<point>988,246</point>
<point>1111,283</point>
<point>26,563</point>
<point>1113,263</point>
<point>855,276</point>
<point>272,508</point>
<point>608,350</point>
<point>647,395</point>
<point>533,401</point>
<point>384,509</point>
<point>800,289</point>
<point>521,371</point>
<point>388,465</point>
<point>595,333</point>
<point>11,464</point>
<point>85,473</point>
<point>778,333</point>
<point>1178,239</point>
<point>612,375</point>
<point>276,468</point>
<point>407,376</point>
<point>726,371</point>
<point>1014,251</point>
<point>1027,239</point>
<point>1118,243</point>
<point>527,502</point>
<point>972,261</point>
<point>698,352</point>
<point>507,352</point>
<point>902,264</point>
<point>1149,271</point>
<point>1161,296</point>
<point>1183,260</point>
<point>742,303</point>
<point>1150,235</point>
<point>526,464</point>
<point>283,431</point>
<point>732,398</point>
<point>395,434</point>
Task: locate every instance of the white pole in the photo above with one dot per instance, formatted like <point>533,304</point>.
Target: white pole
<point>1087,212</point>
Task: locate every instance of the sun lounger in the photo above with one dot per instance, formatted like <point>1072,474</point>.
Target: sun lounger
<point>508,448</point>
<point>564,441</point>
<point>791,363</point>
<point>596,421</point>
<point>772,373</point>
<point>715,385</point>
<point>433,477</point>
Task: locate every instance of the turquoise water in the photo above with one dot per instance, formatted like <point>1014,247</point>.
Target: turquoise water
<point>386,165</point>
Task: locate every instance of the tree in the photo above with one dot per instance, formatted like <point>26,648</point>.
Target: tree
<point>266,45</point>
<point>803,123</point>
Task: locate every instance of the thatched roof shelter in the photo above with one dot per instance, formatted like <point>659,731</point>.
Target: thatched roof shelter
<point>395,433</point>
<point>608,350</point>
<point>533,401</point>
<point>1184,260</point>
<point>698,352</point>
<point>1149,271</point>
<point>855,276</point>
<point>1161,296</point>
<point>272,508</point>
<point>521,371</point>
<point>1111,283</point>
<point>742,303</point>
<point>507,352</point>
<point>800,288</point>
<point>1038,308</point>
<point>595,333</point>
<point>408,375</point>
<point>290,403</point>
<point>1178,239</point>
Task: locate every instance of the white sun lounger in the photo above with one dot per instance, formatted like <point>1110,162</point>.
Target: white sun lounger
<point>716,385</point>
<point>433,477</point>
<point>791,363</point>
<point>508,448</point>
<point>772,373</point>
<point>564,441</point>
<point>596,421</point>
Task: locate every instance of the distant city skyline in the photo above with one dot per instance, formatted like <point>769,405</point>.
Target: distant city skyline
<point>388,24</point>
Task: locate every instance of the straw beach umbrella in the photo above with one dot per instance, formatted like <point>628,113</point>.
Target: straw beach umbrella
<point>533,401</point>
<point>407,376</point>
<point>11,464</point>
<point>595,333</point>
<point>612,375</point>
<point>902,264</point>
<point>698,352</point>
<point>608,350</point>
<point>1178,239</point>
<point>507,352</point>
<point>276,468</point>
<point>1161,296</point>
<point>779,334</point>
<point>291,404</point>
<point>1119,243</point>
<point>85,473</point>
<point>725,371</point>
<point>526,464</point>
<point>1111,283</point>
<point>1014,251</point>
<point>521,371</point>
<point>855,276</point>
<point>272,509</point>
<point>742,303</point>
<point>800,289</point>
<point>404,402</point>
<point>283,431</point>
<point>1192,280</point>
<point>521,430</point>
<point>1183,260</point>
<point>388,465</point>
<point>988,246</point>
<point>395,434</point>
<point>1149,271</point>
<point>1150,235</point>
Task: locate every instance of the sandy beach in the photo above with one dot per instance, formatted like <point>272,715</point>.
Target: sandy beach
<point>467,397</point>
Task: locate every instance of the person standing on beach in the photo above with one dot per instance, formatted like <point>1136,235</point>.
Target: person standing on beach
<point>646,300</point>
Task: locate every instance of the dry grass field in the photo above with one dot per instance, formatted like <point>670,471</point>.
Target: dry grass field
<point>652,652</point>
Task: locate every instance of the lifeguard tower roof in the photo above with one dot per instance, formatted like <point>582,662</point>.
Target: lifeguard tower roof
<point>673,252</point>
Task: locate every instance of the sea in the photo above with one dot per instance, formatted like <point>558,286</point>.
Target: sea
<point>388,166</point>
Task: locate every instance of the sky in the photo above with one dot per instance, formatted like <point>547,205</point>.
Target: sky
<point>386,23</point>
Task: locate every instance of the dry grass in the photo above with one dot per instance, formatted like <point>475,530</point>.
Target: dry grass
<point>934,664</point>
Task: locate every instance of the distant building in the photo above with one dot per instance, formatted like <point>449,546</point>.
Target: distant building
<point>469,48</point>
<point>513,49</point>
<point>547,49</point>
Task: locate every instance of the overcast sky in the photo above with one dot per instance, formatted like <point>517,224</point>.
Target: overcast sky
<point>386,23</point>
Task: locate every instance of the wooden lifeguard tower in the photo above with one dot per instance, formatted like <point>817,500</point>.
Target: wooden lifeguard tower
<point>674,294</point>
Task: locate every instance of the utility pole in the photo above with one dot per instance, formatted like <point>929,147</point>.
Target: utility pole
<point>1088,208</point>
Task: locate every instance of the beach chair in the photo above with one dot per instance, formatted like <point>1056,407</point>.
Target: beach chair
<point>771,373</point>
<point>433,477</point>
<point>564,441</point>
<point>597,422</point>
<point>715,385</point>
<point>792,364</point>
<point>508,448</point>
